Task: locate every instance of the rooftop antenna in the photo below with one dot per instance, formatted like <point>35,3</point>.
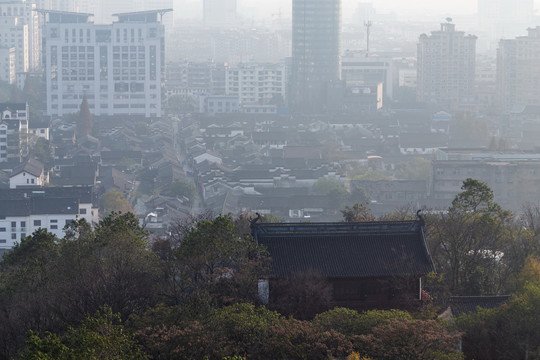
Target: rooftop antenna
<point>367,24</point>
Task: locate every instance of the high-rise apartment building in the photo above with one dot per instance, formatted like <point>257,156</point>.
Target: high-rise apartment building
<point>446,67</point>
<point>19,29</point>
<point>518,70</point>
<point>219,13</point>
<point>316,48</point>
<point>119,66</point>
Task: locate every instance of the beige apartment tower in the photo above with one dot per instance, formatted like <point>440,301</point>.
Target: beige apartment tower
<point>446,68</point>
<point>518,71</point>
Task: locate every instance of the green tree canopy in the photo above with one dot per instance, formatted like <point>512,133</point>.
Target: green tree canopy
<point>357,213</point>
<point>469,243</point>
<point>115,201</point>
<point>101,336</point>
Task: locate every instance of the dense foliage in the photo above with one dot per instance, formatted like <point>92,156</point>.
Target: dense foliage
<point>109,293</point>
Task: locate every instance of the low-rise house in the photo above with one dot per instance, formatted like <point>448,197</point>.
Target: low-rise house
<point>208,156</point>
<point>39,129</point>
<point>114,179</point>
<point>29,173</point>
<point>460,305</point>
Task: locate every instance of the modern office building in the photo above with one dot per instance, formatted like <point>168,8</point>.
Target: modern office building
<point>119,66</point>
<point>219,13</point>
<point>446,67</point>
<point>316,52</point>
<point>518,73</point>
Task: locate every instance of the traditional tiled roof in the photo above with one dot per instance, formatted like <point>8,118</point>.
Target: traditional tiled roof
<point>12,106</point>
<point>84,194</point>
<point>30,166</point>
<point>342,250</point>
<point>460,305</point>
<point>38,206</point>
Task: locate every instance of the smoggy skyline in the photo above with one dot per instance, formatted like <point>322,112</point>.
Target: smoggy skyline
<point>258,9</point>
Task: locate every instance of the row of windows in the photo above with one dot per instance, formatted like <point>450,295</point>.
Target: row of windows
<point>53,223</point>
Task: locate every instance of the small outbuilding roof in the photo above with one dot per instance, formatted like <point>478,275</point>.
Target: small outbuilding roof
<point>460,305</point>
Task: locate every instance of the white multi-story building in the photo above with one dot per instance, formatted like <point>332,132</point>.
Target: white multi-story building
<point>13,131</point>
<point>221,104</point>
<point>26,210</point>
<point>261,84</point>
<point>19,28</point>
<point>118,66</point>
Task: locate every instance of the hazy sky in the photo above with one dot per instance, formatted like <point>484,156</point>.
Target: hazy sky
<point>265,8</point>
<point>461,6</point>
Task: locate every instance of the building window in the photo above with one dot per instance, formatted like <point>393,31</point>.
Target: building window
<point>3,241</point>
<point>82,211</point>
<point>13,236</point>
<point>54,227</point>
<point>23,235</point>
<point>23,223</point>
<point>37,222</point>
<point>13,224</point>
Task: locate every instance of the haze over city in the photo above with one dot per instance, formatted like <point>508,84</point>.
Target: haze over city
<point>287,179</point>
<point>411,9</point>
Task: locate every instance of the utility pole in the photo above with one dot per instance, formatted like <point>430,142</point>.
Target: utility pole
<point>367,24</point>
